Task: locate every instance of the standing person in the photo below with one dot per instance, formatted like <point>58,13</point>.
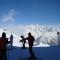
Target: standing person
<point>58,33</point>
<point>3,42</point>
<point>31,40</point>
<point>11,42</point>
<point>23,41</point>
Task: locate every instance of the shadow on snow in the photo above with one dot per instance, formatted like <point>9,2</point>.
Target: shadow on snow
<point>41,53</point>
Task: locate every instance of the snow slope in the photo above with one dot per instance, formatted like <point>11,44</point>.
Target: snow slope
<point>44,36</point>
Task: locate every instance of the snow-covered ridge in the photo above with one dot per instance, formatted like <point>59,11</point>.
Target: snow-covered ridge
<point>43,34</point>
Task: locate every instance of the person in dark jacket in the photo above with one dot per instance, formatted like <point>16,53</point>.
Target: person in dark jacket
<point>3,43</point>
<point>23,41</point>
<point>31,40</point>
<point>11,42</point>
<point>58,34</point>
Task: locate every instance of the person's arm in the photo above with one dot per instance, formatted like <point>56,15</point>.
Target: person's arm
<point>21,41</point>
<point>7,41</point>
<point>26,38</point>
<point>33,38</point>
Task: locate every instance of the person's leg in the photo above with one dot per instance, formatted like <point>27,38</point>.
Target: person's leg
<point>31,51</point>
<point>23,44</point>
<point>1,54</point>
<point>11,46</point>
<point>5,54</point>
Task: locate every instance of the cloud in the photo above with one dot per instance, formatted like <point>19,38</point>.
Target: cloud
<point>9,16</point>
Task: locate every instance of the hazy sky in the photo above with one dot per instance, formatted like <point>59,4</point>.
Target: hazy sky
<point>29,12</point>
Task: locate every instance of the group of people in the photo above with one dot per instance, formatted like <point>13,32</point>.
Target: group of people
<point>4,42</point>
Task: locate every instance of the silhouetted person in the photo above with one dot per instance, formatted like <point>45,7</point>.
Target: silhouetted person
<point>58,33</point>
<point>31,40</point>
<point>11,42</point>
<point>3,43</point>
<point>23,41</point>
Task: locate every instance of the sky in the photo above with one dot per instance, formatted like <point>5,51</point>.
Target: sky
<point>18,12</point>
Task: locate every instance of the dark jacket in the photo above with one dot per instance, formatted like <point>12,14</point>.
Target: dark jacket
<point>31,40</point>
<point>3,42</point>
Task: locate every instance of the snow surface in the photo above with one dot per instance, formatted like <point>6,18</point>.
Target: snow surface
<point>41,53</point>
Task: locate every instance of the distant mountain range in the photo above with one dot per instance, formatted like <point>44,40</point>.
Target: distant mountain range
<point>43,34</point>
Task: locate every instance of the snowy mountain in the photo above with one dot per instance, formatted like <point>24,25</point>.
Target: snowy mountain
<point>44,35</point>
